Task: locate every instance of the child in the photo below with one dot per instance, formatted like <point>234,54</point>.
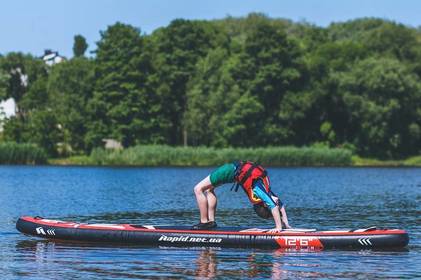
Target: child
<point>254,181</point>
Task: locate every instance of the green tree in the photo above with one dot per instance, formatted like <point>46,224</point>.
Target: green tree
<point>43,130</point>
<point>22,72</point>
<point>178,48</point>
<point>243,122</point>
<point>122,98</point>
<point>378,36</point>
<point>382,99</point>
<point>23,79</point>
<point>4,78</point>
<point>252,81</point>
<point>270,67</point>
<point>79,46</point>
<point>70,87</point>
<point>14,130</point>
<point>323,102</point>
<point>37,96</point>
<point>209,97</point>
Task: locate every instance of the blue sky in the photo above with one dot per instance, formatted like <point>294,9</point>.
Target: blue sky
<point>32,26</point>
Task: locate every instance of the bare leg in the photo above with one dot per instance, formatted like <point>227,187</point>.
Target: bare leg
<point>211,197</point>
<point>202,201</point>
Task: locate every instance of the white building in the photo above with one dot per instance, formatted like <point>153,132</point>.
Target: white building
<point>112,144</point>
<point>7,109</point>
<point>50,57</point>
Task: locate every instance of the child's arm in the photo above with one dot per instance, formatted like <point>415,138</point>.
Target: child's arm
<point>277,218</point>
<point>284,217</point>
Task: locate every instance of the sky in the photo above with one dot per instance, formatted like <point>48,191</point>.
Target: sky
<point>31,26</point>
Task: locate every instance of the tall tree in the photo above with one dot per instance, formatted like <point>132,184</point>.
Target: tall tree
<point>210,94</point>
<point>270,67</point>
<point>79,46</point>
<point>179,46</point>
<point>121,100</point>
<point>22,72</point>
<point>70,87</point>
<point>382,99</point>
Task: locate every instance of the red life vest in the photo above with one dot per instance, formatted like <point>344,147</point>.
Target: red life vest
<point>247,173</point>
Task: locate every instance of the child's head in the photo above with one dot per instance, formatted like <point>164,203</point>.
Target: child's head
<point>262,211</point>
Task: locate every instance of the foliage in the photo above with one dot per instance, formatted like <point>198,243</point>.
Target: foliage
<point>235,83</point>
<point>4,78</point>
<point>413,161</point>
<point>203,156</point>
<point>178,48</point>
<point>22,71</point>
<point>13,153</point>
<point>79,46</point>
<point>381,102</point>
<point>70,85</point>
<point>122,101</point>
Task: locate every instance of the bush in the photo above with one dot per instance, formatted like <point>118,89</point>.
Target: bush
<point>203,156</point>
<point>25,153</point>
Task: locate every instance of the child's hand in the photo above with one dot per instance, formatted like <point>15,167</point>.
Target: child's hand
<point>275,230</point>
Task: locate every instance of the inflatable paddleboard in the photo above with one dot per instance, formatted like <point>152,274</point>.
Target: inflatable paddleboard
<point>298,239</point>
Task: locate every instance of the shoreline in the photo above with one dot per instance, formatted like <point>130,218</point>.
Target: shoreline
<point>357,162</point>
<point>177,156</point>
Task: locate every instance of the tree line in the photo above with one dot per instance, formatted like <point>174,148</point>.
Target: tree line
<point>234,82</point>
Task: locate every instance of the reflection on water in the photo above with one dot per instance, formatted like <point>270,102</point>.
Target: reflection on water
<point>203,262</point>
<point>206,263</point>
<point>99,262</point>
<point>323,198</point>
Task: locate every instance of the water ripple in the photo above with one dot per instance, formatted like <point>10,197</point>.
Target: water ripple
<point>323,198</point>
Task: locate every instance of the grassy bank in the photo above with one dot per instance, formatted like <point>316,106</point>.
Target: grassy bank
<point>14,153</point>
<point>412,161</point>
<point>202,156</point>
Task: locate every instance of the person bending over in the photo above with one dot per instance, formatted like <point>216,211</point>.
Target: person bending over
<point>254,180</point>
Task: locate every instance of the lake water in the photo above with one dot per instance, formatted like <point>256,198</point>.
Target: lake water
<point>322,198</point>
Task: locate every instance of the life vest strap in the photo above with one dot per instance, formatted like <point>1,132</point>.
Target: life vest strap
<point>248,173</point>
<point>235,187</point>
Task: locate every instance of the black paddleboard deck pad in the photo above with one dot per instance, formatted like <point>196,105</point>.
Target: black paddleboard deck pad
<point>307,239</point>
